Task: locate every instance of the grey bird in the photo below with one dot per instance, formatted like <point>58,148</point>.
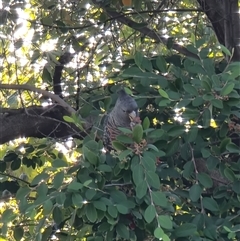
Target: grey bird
<point>124,114</point>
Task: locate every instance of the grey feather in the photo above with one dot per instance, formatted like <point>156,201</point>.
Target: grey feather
<point>118,117</point>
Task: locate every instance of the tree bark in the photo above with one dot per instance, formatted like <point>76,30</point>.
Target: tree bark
<point>36,121</point>
<point>225,19</point>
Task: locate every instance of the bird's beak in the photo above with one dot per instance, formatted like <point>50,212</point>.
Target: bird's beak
<point>132,115</point>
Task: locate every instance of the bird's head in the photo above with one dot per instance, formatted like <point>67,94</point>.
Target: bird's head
<point>125,109</point>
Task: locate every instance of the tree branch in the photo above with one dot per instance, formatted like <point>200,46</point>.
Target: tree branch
<point>37,121</point>
<point>146,31</point>
<point>45,93</point>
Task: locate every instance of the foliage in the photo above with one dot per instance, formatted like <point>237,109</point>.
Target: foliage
<point>175,176</point>
<point>171,200</point>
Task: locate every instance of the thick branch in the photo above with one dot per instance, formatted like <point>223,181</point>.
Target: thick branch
<point>63,60</point>
<point>45,93</point>
<point>36,121</point>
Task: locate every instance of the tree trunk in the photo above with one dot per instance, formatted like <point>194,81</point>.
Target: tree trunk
<point>225,19</point>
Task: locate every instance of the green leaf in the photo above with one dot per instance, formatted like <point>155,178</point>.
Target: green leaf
<point>195,192</point>
<point>146,123</point>
<point>77,200</point>
<point>90,155</point>
<point>11,156</point>
<point>58,216</point>
<point>18,233</point>
<point>125,130</point>
<point>156,134</point>
<point>104,168</point>
<point>112,210</point>
<point>58,180</point>
<point>205,152</point>
<point>118,146</point>
<point>224,143</point>
<point>210,204</point>
<point>22,192</point>
<point>190,114</point>
<point>185,230</point>
<point>159,198</point>
<point>165,221</point>
<point>147,65</point>
<point>217,103</point>
<point>137,133</point>
<point>8,215</point>
<point>118,196</point>
<point>46,75</point>
<point>208,97</point>
<point>138,58</point>
<point>236,187</point>
<point>212,162</point>
<point>206,85</point>
<point>165,237</point>
<point>229,174</point>
<point>183,103</point>
<point>161,64</point>
<point>87,182</point>
<point>138,174</point>
<point>39,178</point>
<point>47,233</point>
<point>100,205</point>
<point>90,193</point>
<point>16,164</point>
<point>163,93</point>
<point>192,134</point>
<point>164,102</point>
<point>192,49</point>
<point>232,148</point>
<point>141,189</point>
<point>61,198</point>
<point>47,207</point>
<point>59,163</point>
<point>122,209</point>
<point>161,153</point>
<point>205,180</point>
<point>91,213</point>
<point>190,89</point>
<point>3,166</point>
<point>124,154</point>
<point>188,169</point>
<point>173,147</point>
<point>68,119</point>
<point>152,179</point>
<point>158,233</point>
<point>75,186</point>
<point>150,213</point>
<point>148,163</point>
<point>124,139</point>
<point>206,117</point>
<point>132,72</point>
<point>227,89</point>
<point>176,131</point>
<point>225,50</point>
<point>104,226</point>
<point>198,101</point>
<point>223,130</point>
<point>122,231</point>
<point>42,189</point>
